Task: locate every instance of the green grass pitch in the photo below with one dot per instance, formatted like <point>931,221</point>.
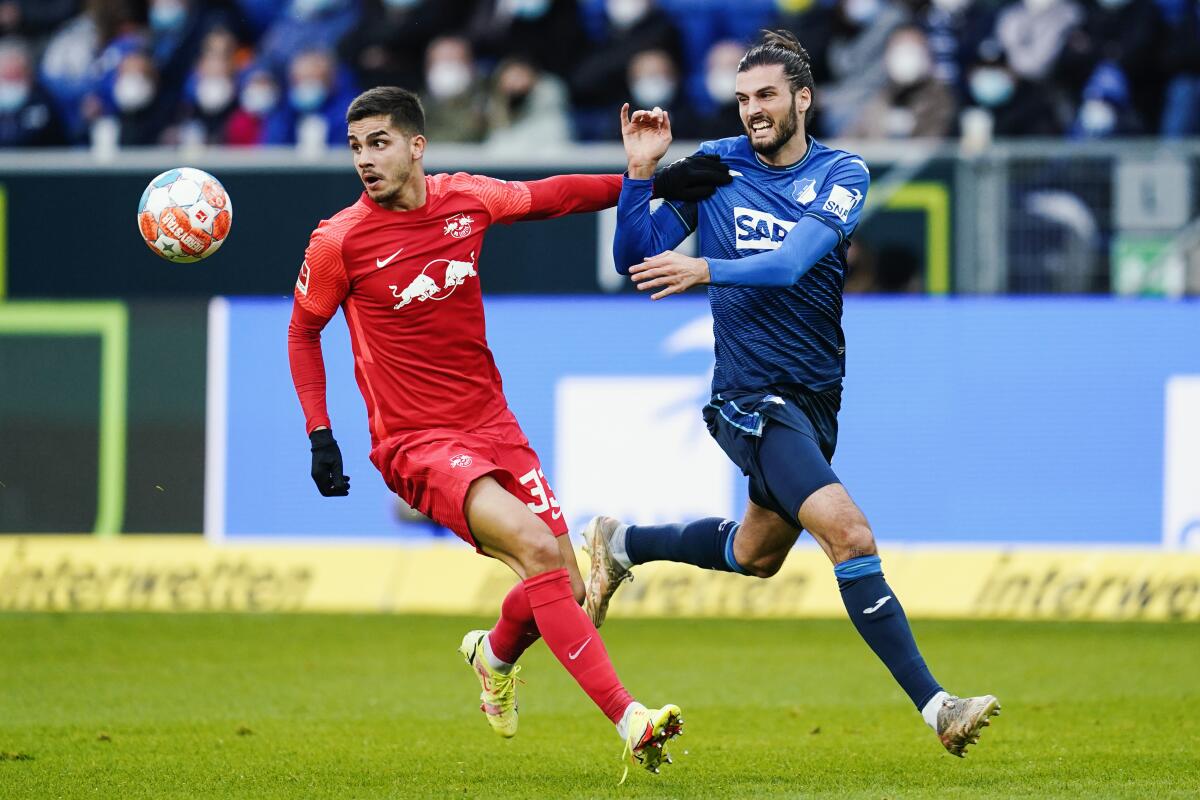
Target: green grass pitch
<point>156,706</point>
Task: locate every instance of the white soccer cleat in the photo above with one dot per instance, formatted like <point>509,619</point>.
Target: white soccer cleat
<point>604,574</point>
<point>960,720</point>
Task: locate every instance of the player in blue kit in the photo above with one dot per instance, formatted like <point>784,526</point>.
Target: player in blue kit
<point>773,242</point>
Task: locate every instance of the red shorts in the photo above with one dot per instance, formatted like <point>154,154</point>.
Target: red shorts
<point>432,470</point>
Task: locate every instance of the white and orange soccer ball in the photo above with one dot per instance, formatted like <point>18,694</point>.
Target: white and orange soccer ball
<point>184,215</point>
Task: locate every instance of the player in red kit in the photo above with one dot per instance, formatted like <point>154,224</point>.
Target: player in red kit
<point>403,263</point>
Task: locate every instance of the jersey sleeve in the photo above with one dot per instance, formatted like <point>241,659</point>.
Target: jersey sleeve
<point>840,201</point>
<point>320,289</point>
<point>505,201</point>
<point>322,284</point>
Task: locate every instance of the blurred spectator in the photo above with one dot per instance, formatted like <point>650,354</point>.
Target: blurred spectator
<point>175,34</point>
<point>548,32</point>
<point>306,25</point>
<point>70,61</point>
<point>955,29</point>
<point>599,83</point>
<point>844,42</point>
<point>315,108</point>
<point>388,47</point>
<point>1129,34</point>
<point>34,18</point>
<point>654,80</point>
<point>720,80</point>
<point>527,109</point>
<point>1106,110</point>
<point>1033,34</point>
<point>210,95</point>
<point>1006,105</point>
<point>913,103</point>
<point>140,119</point>
<point>1181,108</point>
<point>258,100</point>
<point>27,117</point>
<point>455,96</point>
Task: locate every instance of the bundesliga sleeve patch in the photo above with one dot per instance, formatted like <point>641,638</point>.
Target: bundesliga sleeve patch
<point>842,201</point>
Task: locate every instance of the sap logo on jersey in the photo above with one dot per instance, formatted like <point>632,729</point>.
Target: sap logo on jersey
<point>842,201</point>
<point>758,230</point>
<point>426,287</point>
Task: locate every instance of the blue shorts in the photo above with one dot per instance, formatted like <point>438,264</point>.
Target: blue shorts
<point>783,442</point>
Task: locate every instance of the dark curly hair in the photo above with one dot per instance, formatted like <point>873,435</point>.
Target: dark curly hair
<point>783,48</point>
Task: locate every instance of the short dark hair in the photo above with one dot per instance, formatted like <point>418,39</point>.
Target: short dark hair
<point>400,105</point>
<point>783,48</point>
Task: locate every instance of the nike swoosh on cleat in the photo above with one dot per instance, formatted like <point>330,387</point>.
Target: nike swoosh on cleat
<point>575,655</point>
<point>878,604</point>
<point>380,263</point>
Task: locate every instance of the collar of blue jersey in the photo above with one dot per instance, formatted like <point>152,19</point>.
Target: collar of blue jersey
<point>787,167</point>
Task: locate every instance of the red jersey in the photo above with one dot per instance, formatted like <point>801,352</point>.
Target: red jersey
<point>408,284</point>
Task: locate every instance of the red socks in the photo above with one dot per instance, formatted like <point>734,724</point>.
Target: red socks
<point>516,630</point>
<point>573,639</point>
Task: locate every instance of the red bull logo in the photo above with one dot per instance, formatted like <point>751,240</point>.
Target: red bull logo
<point>427,287</point>
<point>458,226</point>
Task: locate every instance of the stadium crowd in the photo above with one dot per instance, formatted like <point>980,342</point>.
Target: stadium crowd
<point>518,74</point>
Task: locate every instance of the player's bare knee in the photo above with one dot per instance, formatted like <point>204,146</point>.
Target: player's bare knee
<point>538,552</point>
<point>853,540</point>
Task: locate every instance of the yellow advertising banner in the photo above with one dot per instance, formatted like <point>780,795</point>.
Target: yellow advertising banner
<point>185,573</point>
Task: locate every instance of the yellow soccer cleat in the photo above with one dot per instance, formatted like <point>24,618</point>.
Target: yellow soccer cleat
<point>498,700</point>
<point>605,575</point>
<point>648,733</point>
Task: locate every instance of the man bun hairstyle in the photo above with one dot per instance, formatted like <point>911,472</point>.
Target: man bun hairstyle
<point>784,49</point>
<point>400,105</point>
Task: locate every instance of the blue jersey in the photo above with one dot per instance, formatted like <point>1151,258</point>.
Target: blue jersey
<point>774,336</point>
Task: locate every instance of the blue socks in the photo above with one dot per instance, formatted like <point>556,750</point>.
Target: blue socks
<point>707,543</point>
<point>876,613</point>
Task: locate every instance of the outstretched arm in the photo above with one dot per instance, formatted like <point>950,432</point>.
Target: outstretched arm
<point>571,194</point>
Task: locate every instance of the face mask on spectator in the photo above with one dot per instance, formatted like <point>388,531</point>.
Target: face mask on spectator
<point>1097,118</point>
<point>623,13</point>
<point>906,63</point>
<point>861,11</point>
<point>306,9</point>
<point>951,6</point>
<point>652,90</point>
<point>167,16</point>
<point>517,102</point>
<point>991,86</point>
<point>133,92</point>
<point>13,95</point>
<point>720,85</point>
<point>213,93</point>
<point>259,97</point>
<point>529,9</point>
<point>448,79</point>
<point>308,96</point>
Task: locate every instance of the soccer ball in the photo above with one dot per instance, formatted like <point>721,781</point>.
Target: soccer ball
<point>184,215</point>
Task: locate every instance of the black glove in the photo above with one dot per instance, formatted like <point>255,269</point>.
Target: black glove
<point>691,179</point>
<point>327,465</point>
